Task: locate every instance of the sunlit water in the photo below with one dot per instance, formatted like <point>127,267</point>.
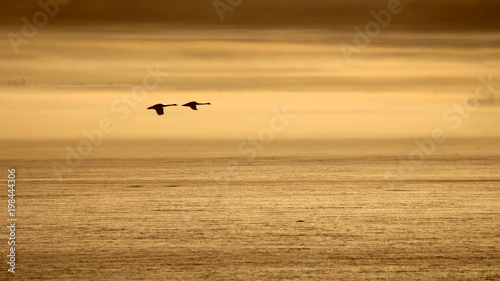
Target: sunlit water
<point>335,210</point>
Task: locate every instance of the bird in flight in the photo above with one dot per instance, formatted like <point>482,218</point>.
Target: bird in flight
<point>193,104</point>
<point>159,107</point>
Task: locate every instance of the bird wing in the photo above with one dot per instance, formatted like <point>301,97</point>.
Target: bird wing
<point>193,107</point>
<point>159,110</point>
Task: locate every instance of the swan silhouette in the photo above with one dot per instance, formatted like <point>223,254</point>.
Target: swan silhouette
<point>193,104</point>
<point>159,107</point>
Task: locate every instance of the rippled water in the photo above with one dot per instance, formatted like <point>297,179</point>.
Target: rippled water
<point>299,211</point>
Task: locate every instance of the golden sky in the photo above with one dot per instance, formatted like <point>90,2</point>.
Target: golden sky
<point>265,56</point>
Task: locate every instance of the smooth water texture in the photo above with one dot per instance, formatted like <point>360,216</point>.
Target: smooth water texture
<point>303,210</point>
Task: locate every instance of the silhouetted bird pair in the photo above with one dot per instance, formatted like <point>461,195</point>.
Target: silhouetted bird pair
<point>159,107</point>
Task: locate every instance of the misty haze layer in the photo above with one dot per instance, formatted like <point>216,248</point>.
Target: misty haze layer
<point>400,85</point>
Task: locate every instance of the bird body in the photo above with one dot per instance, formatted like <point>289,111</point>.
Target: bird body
<point>193,104</point>
<point>159,107</point>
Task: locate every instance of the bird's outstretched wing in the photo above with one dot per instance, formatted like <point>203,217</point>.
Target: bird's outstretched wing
<point>193,107</point>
